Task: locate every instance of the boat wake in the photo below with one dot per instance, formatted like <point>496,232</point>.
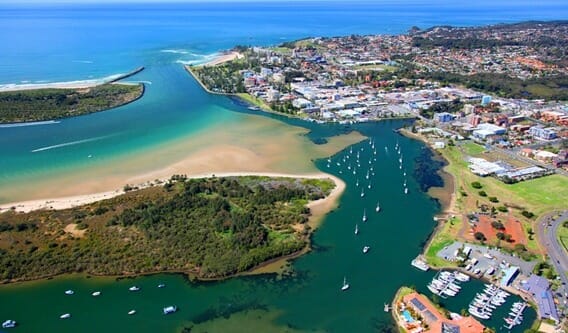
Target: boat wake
<point>33,123</point>
<point>72,143</point>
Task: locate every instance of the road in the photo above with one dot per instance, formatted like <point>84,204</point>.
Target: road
<point>547,231</point>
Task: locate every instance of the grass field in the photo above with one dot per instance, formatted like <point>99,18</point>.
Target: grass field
<point>380,68</point>
<point>546,193</point>
<point>473,149</point>
<point>254,101</point>
<point>444,236</point>
<point>537,195</point>
<point>563,237</point>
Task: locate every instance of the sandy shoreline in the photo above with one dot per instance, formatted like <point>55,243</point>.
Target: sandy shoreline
<point>78,84</point>
<point>446,194</point>
<point>318,207</point>
<point>224,57</point>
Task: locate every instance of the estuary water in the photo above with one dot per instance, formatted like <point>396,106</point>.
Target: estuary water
<point>51,43</point>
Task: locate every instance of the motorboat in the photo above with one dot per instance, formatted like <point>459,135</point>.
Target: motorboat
<point>96,293</point>
<point>461,276</point>
<point>134,288</point>
<point>366,249</point>
<point>345,284</point>
<point>433,289</point>
<point>131,312</point>
<point>449,292</point>
<point>479,314</point>
<point>65,316</point>
<point>9,324</point>
<point>161,285</point>
<point>169,309</point>
<point>69,292</point>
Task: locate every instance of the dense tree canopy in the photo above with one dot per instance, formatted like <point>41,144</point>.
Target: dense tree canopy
<point>210,227</point>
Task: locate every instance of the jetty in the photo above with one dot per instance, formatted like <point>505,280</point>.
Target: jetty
<point>126,75</point>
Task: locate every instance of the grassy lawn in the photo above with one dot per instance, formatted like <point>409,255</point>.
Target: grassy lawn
<point>473,149</point>
<point>532,244</point>
<point>254,101</point>
<point>381,68</point>
<point>445,236</point>
<point>563,237</point>
<point>537,195</point>
<point>283,50</point>
<point>546,193</point>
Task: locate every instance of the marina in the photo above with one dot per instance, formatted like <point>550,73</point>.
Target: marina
<point>444,284</point>
<point>515,315</point>
<point>485,302</point>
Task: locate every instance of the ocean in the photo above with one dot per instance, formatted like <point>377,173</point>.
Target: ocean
<point>52,43</point>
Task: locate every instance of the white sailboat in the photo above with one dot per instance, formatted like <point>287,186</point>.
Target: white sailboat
<point>369,186</point>
<point>364,215</point>
<point>357,182</point>
<point>362,193</point>
<point>367,176</point>
<point>345,284</point>
<point>378,208</point>
<point>356,229</point>
<point>366,249</point>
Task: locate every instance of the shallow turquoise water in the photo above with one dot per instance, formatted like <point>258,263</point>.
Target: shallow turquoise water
<point>98,41</point>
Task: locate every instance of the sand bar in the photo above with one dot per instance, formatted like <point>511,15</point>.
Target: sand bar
<point>318,207</point>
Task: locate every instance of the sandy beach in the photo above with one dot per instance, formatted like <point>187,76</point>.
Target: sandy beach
<point>318,207</point>
<point>78,84</point>
<point>223,58</point>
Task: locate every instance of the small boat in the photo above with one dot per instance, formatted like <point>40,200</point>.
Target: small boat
<point>131,312</point>
<point>9,324</point>
<point>364,215</point>
<point>433,289</point>
<point>386,307</point>
<point>69,292</point>
<point>161,285</point>
<point>65,316</point>
<point>90,156</point>
<point>169,309</point>
<point>367,176</point>
<point>357,183</point>
<point>345,284</point>
<point>356,229</point>
<point>362,193</point>
<point>366,249</point>
<point>378,208</point>
<point>134,288</point>
<point>369,186</point>
<point>406,190</point>
<point>96,293</point>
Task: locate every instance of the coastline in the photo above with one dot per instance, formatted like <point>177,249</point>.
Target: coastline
<point>80,84</point>
<point>222,58</point>
<point>79,200</point>
<point>318,210</point>
<point>446,195</point>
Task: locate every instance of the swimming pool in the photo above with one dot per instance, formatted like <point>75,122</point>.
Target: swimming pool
<point>407,316</point>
